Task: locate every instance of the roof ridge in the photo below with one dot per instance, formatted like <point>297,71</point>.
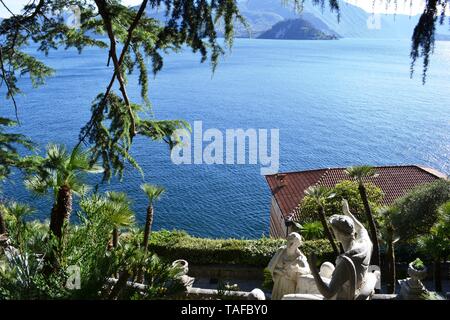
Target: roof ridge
<point>375,167</point>
<point>298,171</point>
<point>432,171</point>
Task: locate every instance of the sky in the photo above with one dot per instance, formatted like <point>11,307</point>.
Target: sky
<point>408,7</point>
<point>403,6</point>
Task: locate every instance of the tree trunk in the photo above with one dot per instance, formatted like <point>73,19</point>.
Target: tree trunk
<point>147,232</point>
<point>327,230</point>
<point>61,211</point>
<point>437,275</point>
<point>120,284</point>
<point>390,268</point>
<point>60,214</point>
<point>372,226</point>
<point>115,237</point>
<point>2,222</point>
<point>148,227</point>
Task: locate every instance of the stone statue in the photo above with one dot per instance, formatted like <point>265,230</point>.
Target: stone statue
<point>349,280</point>
<point>287,266</point>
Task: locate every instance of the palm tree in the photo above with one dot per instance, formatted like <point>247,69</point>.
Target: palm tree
<point>61,172</point>
<point>320,194</point>
<point>153,193</point>
<point>389,236</point>
<point>359,174</point>
<point>117,207</point>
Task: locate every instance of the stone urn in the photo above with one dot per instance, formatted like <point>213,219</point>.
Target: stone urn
<point>184,269</point>
<point>413,288</point>
<point>417,275</point>
<point>183,265</point>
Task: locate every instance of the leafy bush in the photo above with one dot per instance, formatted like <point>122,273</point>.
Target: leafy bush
<point>436,244</point>
<point>24,272</point>
<point>418,264</point>
<point>405,252</point>
<point>418,210</point>
<point>344,190</point>
<point>268,280</point>
<point>179,245</point>
<point>312,230</point>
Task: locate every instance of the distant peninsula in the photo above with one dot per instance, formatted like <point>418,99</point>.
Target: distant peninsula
<point>295,29</point>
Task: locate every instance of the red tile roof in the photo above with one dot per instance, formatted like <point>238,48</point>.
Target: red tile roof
<point>395,181</point>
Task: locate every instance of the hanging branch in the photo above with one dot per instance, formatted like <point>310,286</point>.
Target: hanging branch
<point>103,10</point>
<point>8,88</point>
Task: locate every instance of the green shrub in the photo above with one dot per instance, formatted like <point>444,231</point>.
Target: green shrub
<point>179,245</point>
<point>312,230</point>
<point>405,252</point>
<point>268,280</point>
<point>418,264</point>
<point>418,210</point>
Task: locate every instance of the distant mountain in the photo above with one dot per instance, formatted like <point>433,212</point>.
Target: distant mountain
<point>295,29</point>
<point>354,22</point>
<point>357,23</point>
<point>442,37</point>
<point>262,15</point>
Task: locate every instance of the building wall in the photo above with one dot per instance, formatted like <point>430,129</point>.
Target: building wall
<point>277,223</point>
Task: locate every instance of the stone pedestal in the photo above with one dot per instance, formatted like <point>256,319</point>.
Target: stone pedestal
<point>411,290</point>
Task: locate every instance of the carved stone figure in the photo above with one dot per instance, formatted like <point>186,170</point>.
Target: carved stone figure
<point>349,279</point>
<point>287,266</point>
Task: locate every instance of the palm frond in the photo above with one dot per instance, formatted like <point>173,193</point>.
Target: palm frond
<point>118,197</point>
<point>361,172</point>
<point>153,192</point>
<point>57,156</point>
<point>38,185</point>
<point>319,193</point>
<point>19,210</point>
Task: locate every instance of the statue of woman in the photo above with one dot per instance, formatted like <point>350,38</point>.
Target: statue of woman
<point>287,266</point>
<point>357,251</point>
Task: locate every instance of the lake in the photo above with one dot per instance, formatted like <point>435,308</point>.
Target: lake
<point>336,104</point>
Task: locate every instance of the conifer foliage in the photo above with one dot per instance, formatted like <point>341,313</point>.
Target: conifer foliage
<point>132,39</point>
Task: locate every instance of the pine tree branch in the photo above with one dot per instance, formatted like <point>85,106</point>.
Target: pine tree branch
<point>103,11</point>
<point>2,67</point>
<point>19,23</point>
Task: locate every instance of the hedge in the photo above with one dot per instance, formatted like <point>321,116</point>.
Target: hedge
<point>179,245</point>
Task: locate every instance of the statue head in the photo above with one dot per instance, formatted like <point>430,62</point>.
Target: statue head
<point>294,240</point>
<point>343,228</point>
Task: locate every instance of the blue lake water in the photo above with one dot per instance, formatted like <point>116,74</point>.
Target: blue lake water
<point>336,103</point>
